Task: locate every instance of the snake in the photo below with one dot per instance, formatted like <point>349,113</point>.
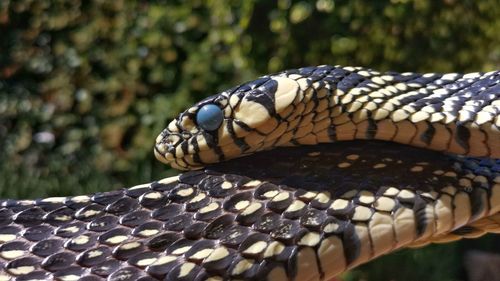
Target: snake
<point>298,175</point>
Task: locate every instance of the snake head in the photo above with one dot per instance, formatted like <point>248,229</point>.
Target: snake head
<point>247,118</point>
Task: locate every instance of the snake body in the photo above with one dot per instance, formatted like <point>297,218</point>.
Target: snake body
<point>296,213</point>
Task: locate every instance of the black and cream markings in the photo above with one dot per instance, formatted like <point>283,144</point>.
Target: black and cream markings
<point>445,112</point>
<point>270,216</point>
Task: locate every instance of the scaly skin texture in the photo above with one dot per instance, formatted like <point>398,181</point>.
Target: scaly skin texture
<point>304,213</point>
<point>446,112</point>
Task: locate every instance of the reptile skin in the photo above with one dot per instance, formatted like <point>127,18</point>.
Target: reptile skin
<point>429,173</point>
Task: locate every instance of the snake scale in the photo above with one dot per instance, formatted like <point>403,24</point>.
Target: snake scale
<point>324,201</point>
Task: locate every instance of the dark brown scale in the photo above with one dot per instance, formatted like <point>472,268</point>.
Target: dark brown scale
<point>63,231</point>
<point>280,205</point>
<point>74,244</point>
<point>58,261</point>
<point>125,274</point>
<point>70,202</point>
<point>251,218</point>
<point>47,247</point>
<point>24,261</point>
<point>235,179</point>
<point>103,223</point>
<point>195,230</point>
<point>106,268</point>
<point>29,217</point>
<point>192,177</point>
<point>287,232</point>
<point>89,212</point>
<point>105,198</point>
<point>313,219</point>
<point>161,270</point>
<point>147,278</point>
<point>137,192</point>
<point>14,245</point>
<point>209,182</point>
<point>134,218</point>
<point>301,194</point>
<point>5,216</point>
<point>106,237</point>
<point>177,245</point>
<point>218,227</point>
<point>249,242</point>
<point>175,273</point>
<point>90,278</point>
<point>162,241</point>
<point>148,225</point>
<point>263,189</point>
<point>70,270</point>
<point>136,259</point>
<point>197,247</point>
<point>177,194</point>
<point>152,203</point>
<point>167,212</point>
<point>343,213</point>
<point>218,191</point>
<point>234,236</point>
<point>230,203</point>
<point>294,214</point>
<point>126,251</point>
<point>208,216</point>
<point>54,217</point>
<point>341,225</point>
<point>197,204</point>
<point>35,275</point>
<point>317,204</point>
<point>47,206</point>
<point>94,256</point>
<point>14,205</point>
<point>156,186</point>
<point>179,222</point>
<point>248,274</point>
<point>267,222</point>
<point>122,206</point>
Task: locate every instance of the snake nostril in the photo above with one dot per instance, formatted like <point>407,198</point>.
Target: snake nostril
<point>171,149</point>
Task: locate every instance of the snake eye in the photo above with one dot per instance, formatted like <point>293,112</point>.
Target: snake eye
<point>209,117</point>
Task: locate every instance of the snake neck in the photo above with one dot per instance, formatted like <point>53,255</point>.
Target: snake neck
<point>452,112</point>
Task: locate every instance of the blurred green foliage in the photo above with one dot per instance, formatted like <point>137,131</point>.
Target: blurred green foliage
<point>85,86</point>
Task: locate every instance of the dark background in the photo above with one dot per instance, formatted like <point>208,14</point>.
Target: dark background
<point>85,86</point>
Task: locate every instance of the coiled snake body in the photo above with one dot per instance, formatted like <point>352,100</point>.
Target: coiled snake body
<point>296,213</point>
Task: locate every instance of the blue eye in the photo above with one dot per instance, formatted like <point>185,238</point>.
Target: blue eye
<point>209,117</point>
